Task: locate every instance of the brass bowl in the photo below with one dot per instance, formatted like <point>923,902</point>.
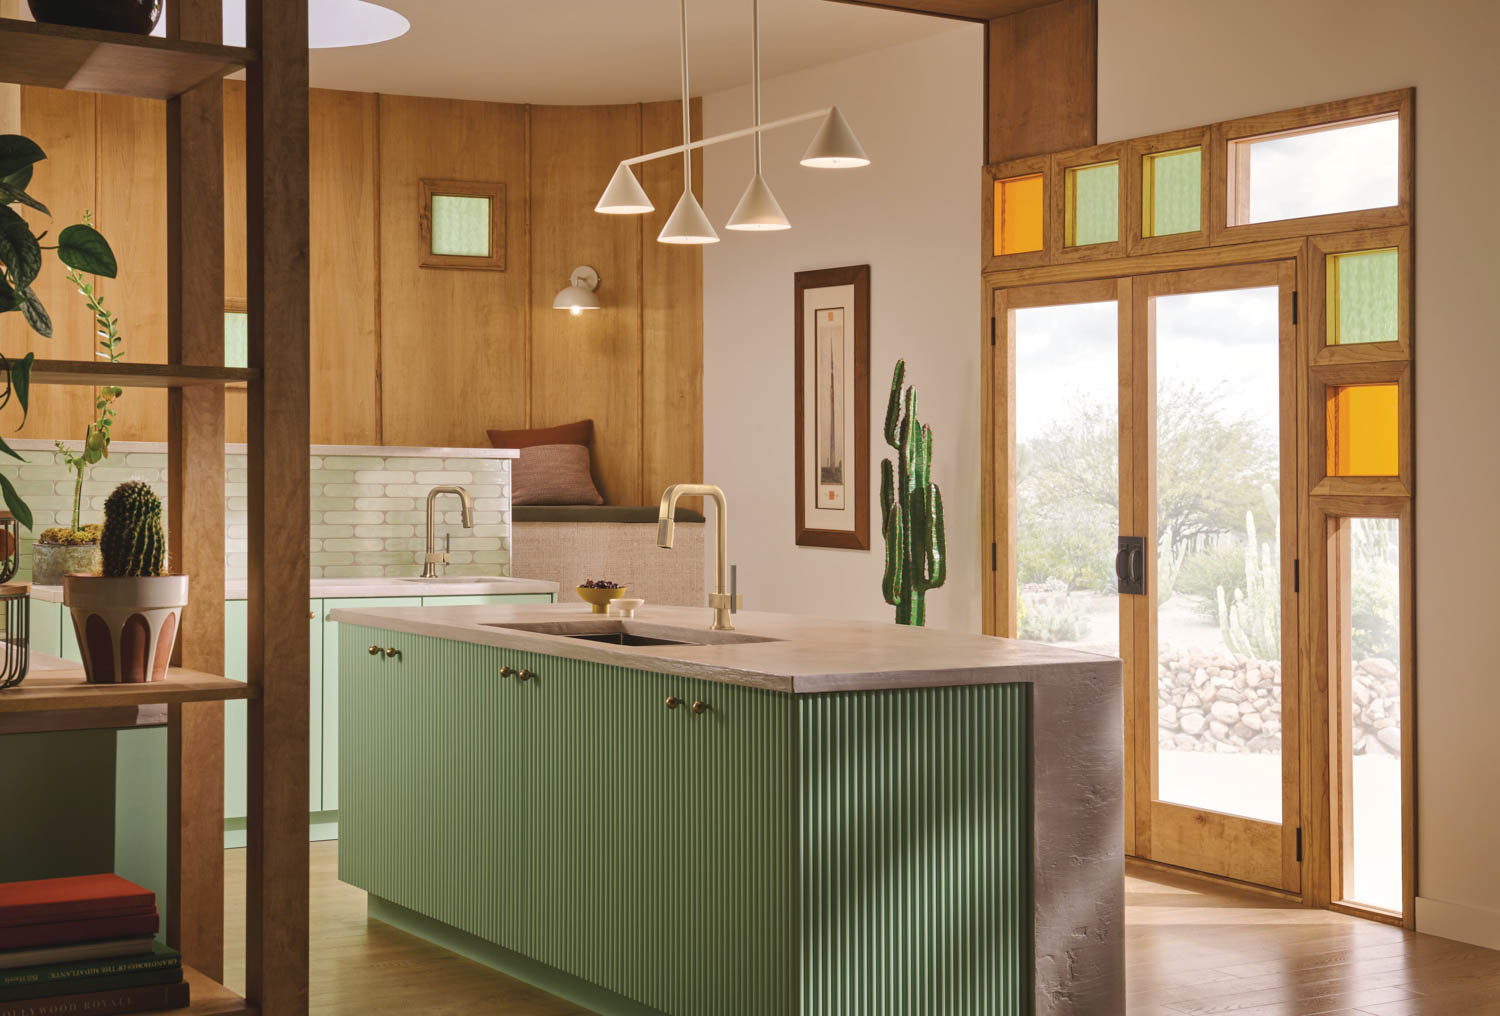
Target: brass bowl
<point>600,598</point>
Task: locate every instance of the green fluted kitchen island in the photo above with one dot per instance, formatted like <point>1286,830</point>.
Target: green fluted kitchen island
<point>801,816</point>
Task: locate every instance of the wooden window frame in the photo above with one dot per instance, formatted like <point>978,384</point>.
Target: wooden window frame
<point>1307,241</point>
<point>992,262</point>
<point>494,192</point>
<point>1225,137</point>
<point>1136,152</point>
<point>1320,249</point>
<point>1330,829</point>
<point>1057,204</point>
<point>1319,380</point>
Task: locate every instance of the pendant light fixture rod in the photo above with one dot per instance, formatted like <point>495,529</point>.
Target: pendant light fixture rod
<point>687,128</point>
<point>743,132</point>
<point>755,86</point>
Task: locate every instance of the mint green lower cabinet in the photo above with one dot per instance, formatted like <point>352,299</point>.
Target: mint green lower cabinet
<point>325,749</point>
<point>52,631</point>
<point>864,852</point>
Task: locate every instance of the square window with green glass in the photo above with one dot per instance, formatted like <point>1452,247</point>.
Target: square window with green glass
<point>1092,209</point>
<point>462,225</point>
<point>1364,297</point>
<point>1172,192</point>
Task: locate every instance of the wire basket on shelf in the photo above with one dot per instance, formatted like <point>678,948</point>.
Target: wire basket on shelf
<point>15,601</point>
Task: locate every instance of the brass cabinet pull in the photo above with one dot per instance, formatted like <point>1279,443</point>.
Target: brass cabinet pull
<point>524,675</point>
<point>700,706</point>
<point>312,615</point>
<point>507,672</point>
<point>374,650</point>
<point>392,652</point>
<point>673,701</point>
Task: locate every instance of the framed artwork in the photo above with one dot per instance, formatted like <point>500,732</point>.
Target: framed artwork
<point>462,225</point>
<point>833,408</point>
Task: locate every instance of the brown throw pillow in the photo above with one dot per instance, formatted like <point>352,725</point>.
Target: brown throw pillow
<point>580,433</point>
<point>553,474</point>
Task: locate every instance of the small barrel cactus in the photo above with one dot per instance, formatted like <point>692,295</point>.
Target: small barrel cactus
<point>911,508</point>
<point>133,543</point>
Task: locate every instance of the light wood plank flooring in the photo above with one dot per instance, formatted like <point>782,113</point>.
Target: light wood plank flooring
<point>1193,949</point>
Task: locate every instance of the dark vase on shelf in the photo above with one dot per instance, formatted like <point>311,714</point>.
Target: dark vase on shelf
<point>136,16</point>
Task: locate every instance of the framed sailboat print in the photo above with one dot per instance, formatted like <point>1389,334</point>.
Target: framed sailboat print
<point>833,408</point>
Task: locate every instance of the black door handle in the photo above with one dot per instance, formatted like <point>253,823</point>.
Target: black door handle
<point>1130,566</point>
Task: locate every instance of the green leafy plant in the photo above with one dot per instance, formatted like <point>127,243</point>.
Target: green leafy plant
<point>96,437</point>
<point>133,543</point>
<point>911,510</point>
<point>79,246</point>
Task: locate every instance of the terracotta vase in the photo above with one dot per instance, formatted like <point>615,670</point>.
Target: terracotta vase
<point>138,17</point>
<point>126,627</point>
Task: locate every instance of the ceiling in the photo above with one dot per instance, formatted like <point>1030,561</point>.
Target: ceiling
<point>603,51</point>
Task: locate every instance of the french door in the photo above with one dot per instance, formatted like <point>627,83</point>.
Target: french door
<point>1145,456</point>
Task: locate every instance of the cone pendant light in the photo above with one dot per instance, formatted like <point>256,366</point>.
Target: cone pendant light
<point>624,195</point>
<point>835,146</point>
<point>758,208</point>
<point>687,223</point>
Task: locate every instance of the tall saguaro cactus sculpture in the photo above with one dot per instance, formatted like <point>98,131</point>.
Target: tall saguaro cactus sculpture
<point>911,509</point>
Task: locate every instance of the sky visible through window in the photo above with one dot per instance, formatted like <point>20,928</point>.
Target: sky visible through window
<point>1337,170</point>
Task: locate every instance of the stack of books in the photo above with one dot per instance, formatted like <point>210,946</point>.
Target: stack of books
<point>84,945</point>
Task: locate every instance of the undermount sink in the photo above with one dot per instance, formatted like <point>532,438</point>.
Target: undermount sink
<point>621,632</point>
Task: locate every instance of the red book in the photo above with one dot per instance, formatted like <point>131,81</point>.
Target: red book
<point>81,897</point>
<point>151,998</point>
<point>28,936</point>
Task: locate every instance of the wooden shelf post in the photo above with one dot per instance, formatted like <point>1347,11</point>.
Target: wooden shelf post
<point>276,141</point>
<point>195,500</point>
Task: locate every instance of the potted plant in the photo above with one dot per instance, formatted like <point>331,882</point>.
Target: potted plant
<point>138,17</point>
<point>65,550</point>
<point>126,620</point>
<point>80,247</point>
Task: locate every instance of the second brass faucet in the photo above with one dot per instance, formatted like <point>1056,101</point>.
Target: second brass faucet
<point>725,599</point>
<point>435,557</point>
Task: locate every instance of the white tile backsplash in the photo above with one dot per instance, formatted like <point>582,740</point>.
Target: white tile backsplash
<point>368,510</point>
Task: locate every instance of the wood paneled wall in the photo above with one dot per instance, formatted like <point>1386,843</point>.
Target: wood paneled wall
<point>1042,91</point>
<point>403,355</point>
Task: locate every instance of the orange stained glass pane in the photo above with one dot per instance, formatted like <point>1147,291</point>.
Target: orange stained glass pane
<point>1018,214</point>
<point>1363,430</point>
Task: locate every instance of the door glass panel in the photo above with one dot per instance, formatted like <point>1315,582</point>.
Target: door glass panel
<point>1067,475</point>
<point>1373,874</point>
<point>1093,204</point>
<point>1363,301</point>
<point>1172,192</point>
<point>1362,430</point>
<point>1218,593</point>
<point>1018,214</point>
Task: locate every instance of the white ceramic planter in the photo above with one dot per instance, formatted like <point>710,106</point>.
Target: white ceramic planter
<point>126,627</point>
<point>51,561</point>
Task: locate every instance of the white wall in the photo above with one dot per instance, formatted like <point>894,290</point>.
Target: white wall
<point>913,216</point>
<point>1165,64</point>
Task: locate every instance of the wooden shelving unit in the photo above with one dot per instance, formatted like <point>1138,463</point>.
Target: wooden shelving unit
<point>86,60</point>
<point>186,70</point>
<point>138,375</point>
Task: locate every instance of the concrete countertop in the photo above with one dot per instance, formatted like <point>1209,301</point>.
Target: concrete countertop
<point>781,652</point>
<point>330,589</point>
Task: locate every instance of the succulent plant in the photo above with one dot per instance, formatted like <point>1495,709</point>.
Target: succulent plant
<point>133,543</point>
<point>911,510</point>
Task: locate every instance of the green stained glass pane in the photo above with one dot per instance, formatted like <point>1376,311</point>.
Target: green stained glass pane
<point>1362,289</point>
<point>236,339</point>
<point>461,225</point>
<point>1094,204</point>
<point>1173,198</point>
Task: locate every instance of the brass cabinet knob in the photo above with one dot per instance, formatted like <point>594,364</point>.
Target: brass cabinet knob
<point>507,672</point>
<point>524,675</point>
<point>673,701</point>
<point>700,706</point>
<point>374,650</point>
<point>392,653</point>
<point>312,615</point>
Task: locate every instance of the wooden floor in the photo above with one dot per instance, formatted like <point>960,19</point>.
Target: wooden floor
<point>1192,948</point>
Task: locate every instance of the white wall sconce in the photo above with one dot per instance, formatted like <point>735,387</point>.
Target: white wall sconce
<point>579,296</point>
